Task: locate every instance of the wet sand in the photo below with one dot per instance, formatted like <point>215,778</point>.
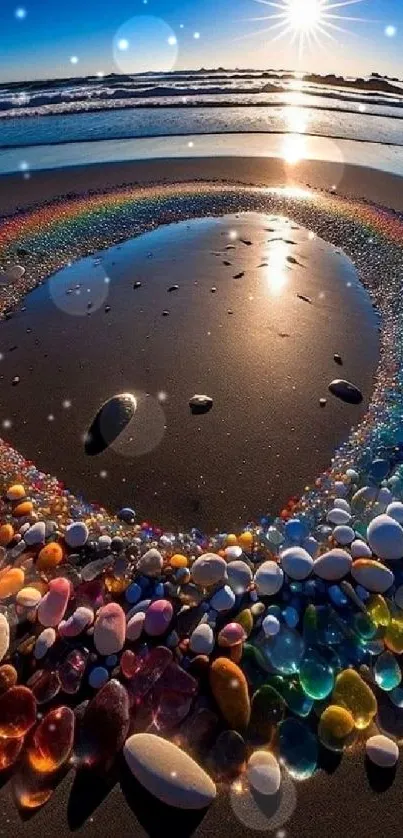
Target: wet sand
<point>339,800</point>
<point>257,314</point>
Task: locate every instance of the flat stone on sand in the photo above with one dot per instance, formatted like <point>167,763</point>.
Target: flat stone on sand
<point>167,772</point>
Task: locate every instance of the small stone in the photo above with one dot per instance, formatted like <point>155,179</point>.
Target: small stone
<point>271,625</point>
<point>202,640</point>
<point>338,517</point>
<point>53,605</point>
<point>16,492</point>
<point>104,726</point>
<point>208,569</point>
<point>110,421</point>
<point>6,534</point>
<point>4,636</point>
<point>382,751</point>
<point>231,635</point>
<point>151,563</point>
<point>52,741</point>
<point>17,712</point>
<point>71,671</point>
<point>373,576</point>
<point>343,534</point>
<point>158,617</point>
<point>245,619</point>
<point>50,556</point>
<point>345,391</point>
<point>296,563</point>
<point>98,677</point>
<point>223,599</point>
<point>133,593</point>
<point>11,581</point>
<point>385,537</point>
<point>335,727</point>
<point>263,772</point>
<point>360,550</point>
<point>36,534</point>
<point>110,629</point>
<point>127,515</point>
<point>298,748</point>
<point>230,690</point>
<point>239,576</point>
<point>200,404</point>
<point>76,535</point>
<point>135,626</point>
<point>23,510</point>
<point>269,578</point>
<point>8,677</point>
<point>44,642</point>
<point>355,695</point>
<point>45,685</point>
<point>333,565</point>
<point>168,773</point>
<point>81,618</point>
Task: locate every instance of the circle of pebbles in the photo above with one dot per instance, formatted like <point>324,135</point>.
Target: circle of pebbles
<point>205,658</point>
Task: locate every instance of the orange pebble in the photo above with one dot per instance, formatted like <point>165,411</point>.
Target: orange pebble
<point>178,560</point>
<point>246,540</point>
<point>50,556</point>
<point>11,582</point>
<point>6,534</point>
<point>16,492</point>
<point>23,509</point>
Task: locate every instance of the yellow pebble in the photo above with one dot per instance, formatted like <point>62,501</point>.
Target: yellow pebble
<point>231,540</point>
<point>116,586</point>
<point>50,556</point>
<point>245,620</point>
<point>178,560</point>
<point>335,727</point>
<point>23,509</point>
<point>378,610</point>
<point>352,693</point>
<point>394,635</point>
<point>246,540</point>
<point>11,582</point>
<point>6,534</point>
<point>16,492</point>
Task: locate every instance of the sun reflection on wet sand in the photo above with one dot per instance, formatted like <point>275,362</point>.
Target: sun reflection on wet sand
<point>277,267</point>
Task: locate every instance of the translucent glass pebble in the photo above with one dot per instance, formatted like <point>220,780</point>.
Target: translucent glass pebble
<point>285,650</point>
<point>316,676</point>
<point>355,695</point>
<point>298,748</point>
<point>336,727</point>
<point>387,672</point>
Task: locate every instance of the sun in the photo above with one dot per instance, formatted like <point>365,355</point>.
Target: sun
<point>306,22</point>
<point>304,16</point>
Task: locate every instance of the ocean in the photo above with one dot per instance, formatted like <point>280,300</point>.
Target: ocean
<point>93,119</point>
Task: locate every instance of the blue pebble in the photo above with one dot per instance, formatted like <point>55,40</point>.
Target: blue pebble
<point>98,677</point>
<point>291,616</point>
<point>127,515</point>
<point>111,661</point>
<point>133,593</point>
<point>296,587</point>
<point>295,529</point>
<point>309,588</point>
<point>158,590</point>
<point>362,593</point>
<point>337,596</point>
<point>378,470</point>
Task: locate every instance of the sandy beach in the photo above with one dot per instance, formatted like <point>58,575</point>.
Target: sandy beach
<point>327,804</point>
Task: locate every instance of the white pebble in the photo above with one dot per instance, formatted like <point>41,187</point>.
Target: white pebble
<point>263,772</point>
<point>269,578</point>
<point>385,537</point>
<point>382,751</point>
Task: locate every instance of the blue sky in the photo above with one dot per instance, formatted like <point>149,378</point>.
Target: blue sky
<point>38,38</point>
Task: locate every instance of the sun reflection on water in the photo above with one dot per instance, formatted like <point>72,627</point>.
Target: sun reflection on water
<point>276,276</point>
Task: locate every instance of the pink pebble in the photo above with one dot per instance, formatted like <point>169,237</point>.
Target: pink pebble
<point>53,605</point>
<point>135,626</point>
<point>78,622</point>
<point>110,629</point>
<point>158,617</point>
<point>231,634</point>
